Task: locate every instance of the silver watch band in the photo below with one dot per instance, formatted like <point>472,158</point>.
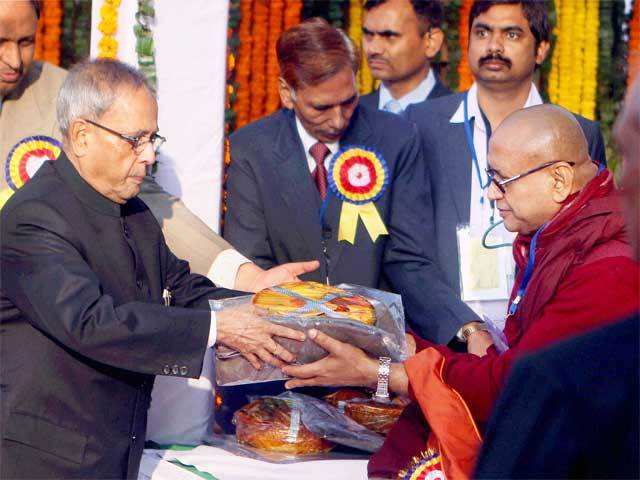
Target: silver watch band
<point>384,369</point>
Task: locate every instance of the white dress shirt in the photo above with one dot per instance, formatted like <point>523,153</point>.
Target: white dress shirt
<point>308,141</point>
<point>417,95</point>
<point>481,213</point>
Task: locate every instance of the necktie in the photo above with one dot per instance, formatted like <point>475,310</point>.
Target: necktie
<point>319,152</point>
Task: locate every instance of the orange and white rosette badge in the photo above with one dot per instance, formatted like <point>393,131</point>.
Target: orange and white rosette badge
<point>358,176</point>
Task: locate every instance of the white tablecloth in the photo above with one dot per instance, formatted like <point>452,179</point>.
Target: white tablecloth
<point>227,466</point>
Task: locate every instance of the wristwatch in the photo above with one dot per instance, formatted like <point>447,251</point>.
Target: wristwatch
<point>382,391</point>
<point>465,332</point>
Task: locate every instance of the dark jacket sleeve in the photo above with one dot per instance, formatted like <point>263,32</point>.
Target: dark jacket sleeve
<point>45,276</point>
<point>591,130</point>
<point>434,310</point>
<point>245,224</point>
<point>191,290</point>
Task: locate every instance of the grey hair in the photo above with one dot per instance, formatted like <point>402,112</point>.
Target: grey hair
<point>91,88</point>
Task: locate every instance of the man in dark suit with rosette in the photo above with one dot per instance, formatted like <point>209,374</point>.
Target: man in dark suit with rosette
<point>325,179</point>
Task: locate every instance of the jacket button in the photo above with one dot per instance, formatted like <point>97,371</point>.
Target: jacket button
<point>133,439</point>
<point>175,370</point>
<point>166,370</point>
<point>183,370</point>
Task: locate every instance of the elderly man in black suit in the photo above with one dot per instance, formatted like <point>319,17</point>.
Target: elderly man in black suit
<point>400,40</point>
<point>508,40</point>
<point>86,284</point>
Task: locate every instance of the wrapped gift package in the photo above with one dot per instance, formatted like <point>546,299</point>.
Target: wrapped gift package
<point>370,319</point>
<point>274,424</point>
<point>294,425</point>
<point>357,405</point>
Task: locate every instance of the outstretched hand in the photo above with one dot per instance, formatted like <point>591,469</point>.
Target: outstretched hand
<point>243,330</point>
<point>345,365</point>
<point>252,278</point>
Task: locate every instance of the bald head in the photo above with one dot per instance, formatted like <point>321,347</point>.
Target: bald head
<point>531,139</point>
<point>544,133</point>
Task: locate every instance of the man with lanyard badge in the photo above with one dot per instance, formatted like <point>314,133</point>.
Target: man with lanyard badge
<point>507,42</point>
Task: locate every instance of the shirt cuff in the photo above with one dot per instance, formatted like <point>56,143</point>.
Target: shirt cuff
<point>224,269</point>
<point>212,331</point>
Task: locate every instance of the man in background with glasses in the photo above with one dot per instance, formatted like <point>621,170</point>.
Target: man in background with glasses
<point>576,272</point>
<point>93,303</point>
<point>508,41</point>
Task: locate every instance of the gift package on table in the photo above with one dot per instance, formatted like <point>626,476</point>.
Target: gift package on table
<point>370,319</point>
<point>292,425</point>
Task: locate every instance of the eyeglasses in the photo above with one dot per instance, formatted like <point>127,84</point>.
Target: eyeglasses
<point>137,143</point>
<point>491,173</point>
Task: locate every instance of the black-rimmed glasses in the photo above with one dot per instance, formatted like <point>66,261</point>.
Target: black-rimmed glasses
<point>491,173</point>
<point>137,143</point>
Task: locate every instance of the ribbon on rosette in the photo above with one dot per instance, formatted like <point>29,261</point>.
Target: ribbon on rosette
<point>358,176</point>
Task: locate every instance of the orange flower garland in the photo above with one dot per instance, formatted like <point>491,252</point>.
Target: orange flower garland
<point>466,78</point>
<point>276,10</point>
<point>634,44</point>
<point>292,13</point>
<point>259,57</point>
<point>49,32</point>
<point>243,67</point>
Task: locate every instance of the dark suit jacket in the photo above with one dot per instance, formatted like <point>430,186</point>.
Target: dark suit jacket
<point>273,215</point>
<point>84,329</point>
<point>570,412</point>
<point>448,162</point>
<point>372,99</point>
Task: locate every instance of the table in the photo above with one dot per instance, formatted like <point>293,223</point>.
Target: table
<point>215,463</point>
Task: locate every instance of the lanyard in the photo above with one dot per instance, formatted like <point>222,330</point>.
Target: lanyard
<point>527,273</point>
<point>472,148</point>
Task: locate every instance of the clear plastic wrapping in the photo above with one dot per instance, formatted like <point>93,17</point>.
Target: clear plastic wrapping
<point>385,338</point>
<point>375,416</point>
<point>292,425</point>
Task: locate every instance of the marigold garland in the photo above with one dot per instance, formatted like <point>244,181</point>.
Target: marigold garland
<point>464,71</point>
<point>553,82</point>
<point>565,45</point>
<point>292,13</point>
<point>276,10</point>
<point>49,32</point>
<point>634,44</point>
<point>243,65</point>
<point>259,36</point>
<point>590,82</point>
<point>574,94</point>
<point>108,26</point>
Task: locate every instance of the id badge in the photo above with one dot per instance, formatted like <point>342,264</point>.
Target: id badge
<point>485,274</point>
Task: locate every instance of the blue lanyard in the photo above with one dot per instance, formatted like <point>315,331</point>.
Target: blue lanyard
<point>527,273</point>
<point>472,148</point>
